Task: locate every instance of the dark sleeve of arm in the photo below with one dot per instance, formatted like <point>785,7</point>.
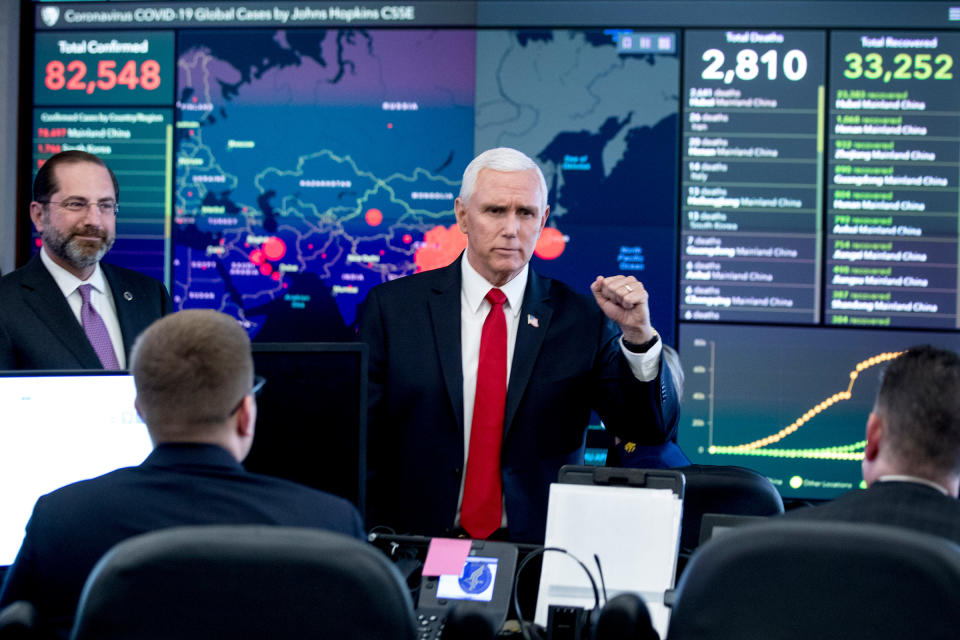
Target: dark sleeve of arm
<point>372,332</point>
<point>18,583</point>
<point>645,412</point>
<point>357,529</point>
<point>6,349</point>
<point>166,303</point>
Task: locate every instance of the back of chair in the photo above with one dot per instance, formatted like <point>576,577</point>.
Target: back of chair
<point>242,582</point>
<point>723,489</point>
<point>18,621</point>
<point>803,580</point>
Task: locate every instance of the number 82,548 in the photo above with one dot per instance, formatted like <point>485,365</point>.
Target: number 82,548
<point>146,77</point>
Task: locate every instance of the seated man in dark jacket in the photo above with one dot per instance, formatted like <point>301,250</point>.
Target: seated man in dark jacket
<point>912,460</point>
<point>194,377</point>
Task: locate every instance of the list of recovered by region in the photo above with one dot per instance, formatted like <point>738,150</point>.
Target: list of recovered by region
<point>894,131</point>
<point>752,176</point>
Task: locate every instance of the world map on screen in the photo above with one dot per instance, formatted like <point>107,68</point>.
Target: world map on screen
<point>312,165</point>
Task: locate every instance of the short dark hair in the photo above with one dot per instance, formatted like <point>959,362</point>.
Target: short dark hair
<point>191,368</point>
<point>45,184</point>
<point>919,401</point>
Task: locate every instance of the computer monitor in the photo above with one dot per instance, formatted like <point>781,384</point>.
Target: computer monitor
<point>58,428</point>
<point>788,402</point>
<point>311,417</point>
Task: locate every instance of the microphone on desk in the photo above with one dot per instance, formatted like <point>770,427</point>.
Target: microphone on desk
<point>466,622</point>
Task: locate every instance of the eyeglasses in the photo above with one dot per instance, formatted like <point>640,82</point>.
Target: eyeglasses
<point>106,207</point>
<point>258,382</point>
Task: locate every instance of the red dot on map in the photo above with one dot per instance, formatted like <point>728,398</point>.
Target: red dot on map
<point>38,242</point>
<point>256,257</point>
<point>407,238</point>
<point>189,194</point>
<point>323,255</point>
<point>244,209</point>
<point>275,275</point>
<point>266,268</point>
<point>382,252</point>
<point>310,246</point>
<point>275,248</point>
<point>194,98</point>
<point>551,244</point>
<point>374,217</point>
<point>389,125</point>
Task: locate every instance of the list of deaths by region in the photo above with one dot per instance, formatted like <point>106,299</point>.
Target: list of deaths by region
<point>752,176</point>
<point>894,131</point>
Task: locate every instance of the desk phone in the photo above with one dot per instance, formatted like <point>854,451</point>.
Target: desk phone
<point>486,581</point>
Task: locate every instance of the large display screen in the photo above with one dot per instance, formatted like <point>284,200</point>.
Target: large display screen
<point>310,164</point>
<point>781,176</point>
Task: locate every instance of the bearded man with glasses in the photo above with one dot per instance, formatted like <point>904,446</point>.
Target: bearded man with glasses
<point>65,309</point>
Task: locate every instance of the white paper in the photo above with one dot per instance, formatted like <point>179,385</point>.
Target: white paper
<point>634,531</point>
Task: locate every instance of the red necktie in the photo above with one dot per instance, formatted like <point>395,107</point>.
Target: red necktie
<point>481,512</point>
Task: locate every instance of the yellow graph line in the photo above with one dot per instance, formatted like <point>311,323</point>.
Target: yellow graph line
<point>843,452</point>
<point>829,402</point>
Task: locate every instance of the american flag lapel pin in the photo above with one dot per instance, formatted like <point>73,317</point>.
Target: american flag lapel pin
<point>533,321</point>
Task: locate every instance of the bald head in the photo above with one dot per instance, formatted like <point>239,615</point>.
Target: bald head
<point>191,370</point>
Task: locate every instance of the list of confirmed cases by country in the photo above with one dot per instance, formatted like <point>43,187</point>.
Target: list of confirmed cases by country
<point>894,152</point>
<point>752,176</point>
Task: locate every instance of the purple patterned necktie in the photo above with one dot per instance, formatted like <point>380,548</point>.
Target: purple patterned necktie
<point>96,331</point>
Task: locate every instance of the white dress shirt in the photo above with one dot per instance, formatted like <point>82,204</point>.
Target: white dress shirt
<point>473,312</point>
<point>101,299</point>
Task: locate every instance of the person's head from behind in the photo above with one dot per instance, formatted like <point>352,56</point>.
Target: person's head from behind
<point>915,425</point>
<point>502,208</point>
<point>74,209</point>
<point>193,371</point>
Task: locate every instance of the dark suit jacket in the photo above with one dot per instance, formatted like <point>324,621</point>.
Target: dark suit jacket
<point>178,484</point>
<point>900,504</point>
<point>564,367</point>
<point>39,331</point>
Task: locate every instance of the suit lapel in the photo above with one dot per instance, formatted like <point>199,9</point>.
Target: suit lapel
<point>444,305</point>
<point>46,300</point>
<point>535,316</point>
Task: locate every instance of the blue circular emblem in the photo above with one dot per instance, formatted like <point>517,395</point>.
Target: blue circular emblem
<point>476,577</point>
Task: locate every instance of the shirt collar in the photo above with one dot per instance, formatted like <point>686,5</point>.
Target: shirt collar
<point>66,281</point>
<point>191,454</point>
<point>475,287</point>
<point>914,479</point>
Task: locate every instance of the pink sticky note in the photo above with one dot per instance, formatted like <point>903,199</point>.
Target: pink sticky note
<point>445,556</point>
